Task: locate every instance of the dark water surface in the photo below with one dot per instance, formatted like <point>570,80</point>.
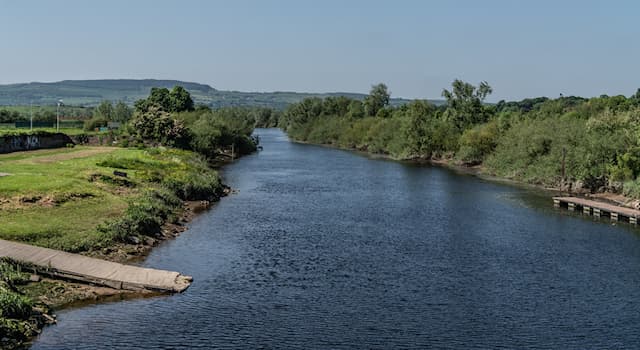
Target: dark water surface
<point>326,249</point>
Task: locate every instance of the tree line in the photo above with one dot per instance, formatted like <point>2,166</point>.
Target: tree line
<point>169,117</point>
<point>525,140</point>
<point>12,114</point>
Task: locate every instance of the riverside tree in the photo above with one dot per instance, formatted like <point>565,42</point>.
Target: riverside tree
<point>465,103</point>
<point>378,99</point>
<point>176,100</point>
<point>169,118</point>
<point>525,140</point>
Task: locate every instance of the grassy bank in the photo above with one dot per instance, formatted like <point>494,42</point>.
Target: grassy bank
<point>70,199</point>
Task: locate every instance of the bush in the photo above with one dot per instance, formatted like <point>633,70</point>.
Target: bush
<point>158,125</point>
<point>632,189</point>
<point>194,186</point>
<point>11,274</point>
<point>14,305</point>
<point>95,122</point>
<point>144,216</point>
<point>478,142</point>
<point>123,163</point>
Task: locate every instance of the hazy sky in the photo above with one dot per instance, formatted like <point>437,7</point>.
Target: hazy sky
<point>522,48</point>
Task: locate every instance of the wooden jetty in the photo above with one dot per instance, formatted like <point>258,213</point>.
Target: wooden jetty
<point>81,268</point>
<point>598,209</point>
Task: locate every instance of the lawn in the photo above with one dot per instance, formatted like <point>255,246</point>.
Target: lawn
<point>53,203</point>
<point>57,198</point>
<point>68,131</point>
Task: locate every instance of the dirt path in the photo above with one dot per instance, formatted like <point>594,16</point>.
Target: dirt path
<point>57,157</point>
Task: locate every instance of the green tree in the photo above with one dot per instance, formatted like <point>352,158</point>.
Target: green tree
<point>180,100</point>
<point>336,105</point>
<point>104,111</point>
<point>159,97</point>
<point>158,125</point>
<point>378,99</point>
<point>418,115</point>
<point>355,110</point>
<point>478,142</point>
<point>121,112</point>
<point>464,103</point>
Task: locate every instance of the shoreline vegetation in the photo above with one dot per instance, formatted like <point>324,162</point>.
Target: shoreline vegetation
<point>114,203</point>
<point>569,144</point>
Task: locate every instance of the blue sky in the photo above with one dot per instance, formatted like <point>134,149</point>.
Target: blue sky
<point>522,48</point>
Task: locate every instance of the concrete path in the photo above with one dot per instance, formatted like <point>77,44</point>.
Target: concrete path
<point>81,268</point>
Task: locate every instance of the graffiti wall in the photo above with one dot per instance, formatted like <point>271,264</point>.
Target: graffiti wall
<point>10,144</point>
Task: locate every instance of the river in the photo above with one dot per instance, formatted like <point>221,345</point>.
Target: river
<point>328,249</point>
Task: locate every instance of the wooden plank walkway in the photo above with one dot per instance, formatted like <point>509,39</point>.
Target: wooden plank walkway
<point>598,209</point>
<point>77,267</point>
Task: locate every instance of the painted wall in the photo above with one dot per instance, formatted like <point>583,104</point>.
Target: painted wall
<point>10,144</point>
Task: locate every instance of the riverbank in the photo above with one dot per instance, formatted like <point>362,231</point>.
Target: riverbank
<point>481,171</point>
<point>111,203</point>
<point>567,189</point>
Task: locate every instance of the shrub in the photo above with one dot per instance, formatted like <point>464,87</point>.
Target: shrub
<point>144,216</point>
<point>14,305</point>
<point>632,189</point>
<point>194,186</point>
<point>95,122</point>
<point>478,142</point>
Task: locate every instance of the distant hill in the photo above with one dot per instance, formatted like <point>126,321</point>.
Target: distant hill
<point>91,92</point>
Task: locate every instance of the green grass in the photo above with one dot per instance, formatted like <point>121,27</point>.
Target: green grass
<point>68,131</point>
<point>54,200</point>
<point>39,173</point>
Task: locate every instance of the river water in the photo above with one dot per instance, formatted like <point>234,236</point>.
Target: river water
<point>327,249</point>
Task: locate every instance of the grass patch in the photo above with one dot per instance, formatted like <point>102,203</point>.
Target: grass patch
<point>49,131</point>
<point>77,203</point>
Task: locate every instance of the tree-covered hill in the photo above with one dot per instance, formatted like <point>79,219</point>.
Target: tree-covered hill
<point>92,92</point>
